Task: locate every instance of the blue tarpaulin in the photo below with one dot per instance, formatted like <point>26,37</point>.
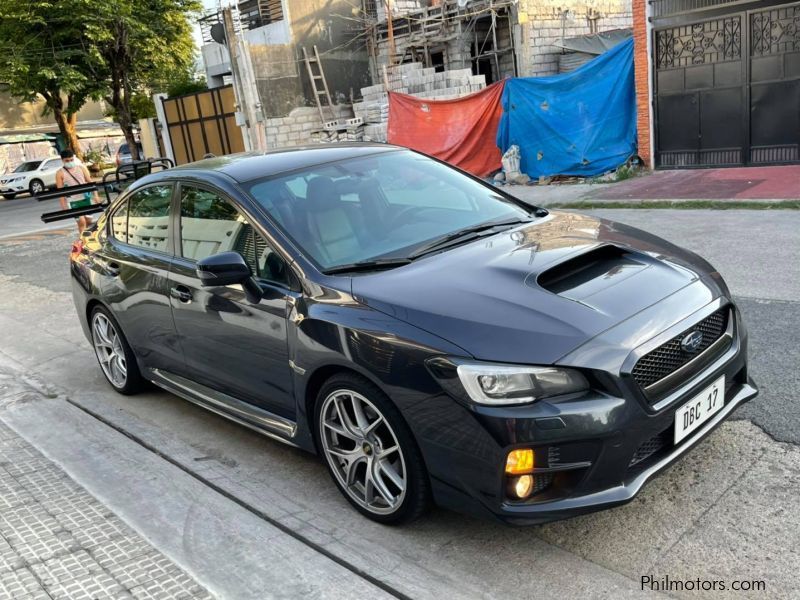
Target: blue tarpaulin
<point>579,123</point>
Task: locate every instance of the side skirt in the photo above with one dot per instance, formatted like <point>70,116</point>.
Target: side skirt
<point>244,413</point>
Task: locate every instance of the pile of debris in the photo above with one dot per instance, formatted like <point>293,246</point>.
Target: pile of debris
<point>414,79</point>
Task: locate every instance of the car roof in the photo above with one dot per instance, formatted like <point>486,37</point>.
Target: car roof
<point>246,166</point>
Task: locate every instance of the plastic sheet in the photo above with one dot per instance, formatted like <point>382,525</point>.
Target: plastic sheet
<point>461,132</point>
<point>579,123</point>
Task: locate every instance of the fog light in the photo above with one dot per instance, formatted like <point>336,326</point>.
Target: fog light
<point>522,486</point>
<point>519,462</point>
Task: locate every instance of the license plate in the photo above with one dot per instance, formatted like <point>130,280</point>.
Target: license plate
<point>699,409</point>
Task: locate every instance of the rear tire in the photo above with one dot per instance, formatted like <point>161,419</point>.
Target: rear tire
<point>36,187</point>
<point>114,354</point>
<point>370,451</point>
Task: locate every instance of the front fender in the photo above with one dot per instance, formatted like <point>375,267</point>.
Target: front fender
<point>329,337</point>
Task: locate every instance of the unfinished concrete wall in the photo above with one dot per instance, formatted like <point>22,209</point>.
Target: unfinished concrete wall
<point>543,22</point>
<point>465,42</point>
<point>279,69</point>
<point>297,128</point>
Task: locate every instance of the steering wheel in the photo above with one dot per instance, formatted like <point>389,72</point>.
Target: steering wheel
<point>403,216</point>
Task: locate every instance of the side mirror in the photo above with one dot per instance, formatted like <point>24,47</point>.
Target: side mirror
<point>229,268</point>
<point>225,268</point>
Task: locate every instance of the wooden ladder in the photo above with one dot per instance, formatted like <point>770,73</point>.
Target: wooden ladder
<point>322,91</point>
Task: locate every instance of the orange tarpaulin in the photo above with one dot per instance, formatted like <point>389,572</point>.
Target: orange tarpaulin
<point>461,132</point>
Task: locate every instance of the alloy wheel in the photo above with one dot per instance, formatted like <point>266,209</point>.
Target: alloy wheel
<point>109,350</point>
<point>37,187</point>
<point>363,452</point>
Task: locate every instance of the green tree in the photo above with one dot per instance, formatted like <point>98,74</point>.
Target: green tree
<point>186,84</point>
<point>43,52</point>
<point>139,43</point>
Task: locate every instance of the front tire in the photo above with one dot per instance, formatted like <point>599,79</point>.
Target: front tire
<point>370,451</point>
<point>114,354</point>
<point>9,196</point>
<point>36,187</point>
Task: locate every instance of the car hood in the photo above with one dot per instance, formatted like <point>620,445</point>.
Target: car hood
<point>534,293</point>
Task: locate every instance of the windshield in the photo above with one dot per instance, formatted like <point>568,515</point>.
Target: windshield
<point>385,205</point>
<point>31,165</point>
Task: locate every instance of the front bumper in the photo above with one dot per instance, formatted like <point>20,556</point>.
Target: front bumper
<point>629,487</point>
<point>12,188</point>
<point>589,446</point>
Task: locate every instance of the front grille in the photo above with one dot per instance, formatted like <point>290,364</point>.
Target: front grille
<point>541,482</point>
<point>650,447</point>
<point>669,357</point>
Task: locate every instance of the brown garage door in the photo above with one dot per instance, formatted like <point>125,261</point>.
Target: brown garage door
<point>203,123</point>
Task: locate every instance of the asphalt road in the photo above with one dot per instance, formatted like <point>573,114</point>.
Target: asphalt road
<point>729,510</point>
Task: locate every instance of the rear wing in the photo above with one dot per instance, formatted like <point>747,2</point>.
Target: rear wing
<point>111,185</point>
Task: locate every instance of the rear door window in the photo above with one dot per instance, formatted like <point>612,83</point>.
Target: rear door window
<point>52,164</point>
<point>148,218</point>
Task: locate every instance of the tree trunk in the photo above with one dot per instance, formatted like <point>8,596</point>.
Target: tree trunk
<point>120,100</point>
<point>123,114</point>
<point>66,123</point>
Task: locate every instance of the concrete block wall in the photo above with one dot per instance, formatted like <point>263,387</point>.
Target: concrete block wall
<point>456,51</point>
<point>296,128</point>
<point>415,80</point>
<point>540,26</point>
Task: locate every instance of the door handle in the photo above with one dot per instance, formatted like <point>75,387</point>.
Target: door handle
<point>182,293</point>
<point>113,269</point>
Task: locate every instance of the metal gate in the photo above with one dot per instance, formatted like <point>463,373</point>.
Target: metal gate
<point>203,123</point>
<point>727,87</point>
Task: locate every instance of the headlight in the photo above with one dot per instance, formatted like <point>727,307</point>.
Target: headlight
<point>506,384</point>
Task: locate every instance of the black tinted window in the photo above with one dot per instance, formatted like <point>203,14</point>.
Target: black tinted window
<point>119,223</point>
<point>28,166</point>
<point>148,217</point>
<point>210,224</point>
<point>370,207</point>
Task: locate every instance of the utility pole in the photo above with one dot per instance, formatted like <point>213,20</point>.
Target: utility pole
<point>244,86</point>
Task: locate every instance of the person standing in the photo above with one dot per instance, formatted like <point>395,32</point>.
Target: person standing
<point>71,174</point>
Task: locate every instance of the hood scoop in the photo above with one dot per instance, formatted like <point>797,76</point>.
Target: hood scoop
<point>586,274</point>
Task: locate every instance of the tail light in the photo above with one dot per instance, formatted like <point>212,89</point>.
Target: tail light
<point>77,247</point>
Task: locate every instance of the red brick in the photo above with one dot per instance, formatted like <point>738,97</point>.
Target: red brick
<point>641,78</point>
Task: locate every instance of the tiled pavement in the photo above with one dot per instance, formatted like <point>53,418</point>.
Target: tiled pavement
<point>59,542</point>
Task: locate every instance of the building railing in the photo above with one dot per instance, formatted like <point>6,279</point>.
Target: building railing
<point>666,8</point>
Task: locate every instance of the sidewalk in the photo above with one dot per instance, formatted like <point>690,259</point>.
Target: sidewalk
<point>762,184</point>
<point>57,541</point>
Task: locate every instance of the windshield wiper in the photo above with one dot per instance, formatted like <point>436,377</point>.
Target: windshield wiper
<point>376,264</point>
<point>463,235</point>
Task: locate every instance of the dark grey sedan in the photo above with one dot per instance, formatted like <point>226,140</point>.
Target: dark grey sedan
<point>432,338</point>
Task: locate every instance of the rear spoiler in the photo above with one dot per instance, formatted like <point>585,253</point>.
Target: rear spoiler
<point>112,183</point>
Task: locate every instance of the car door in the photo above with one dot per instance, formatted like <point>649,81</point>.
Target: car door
<point>137,255</point>
<point>230,344</point>
<point>48,171</point>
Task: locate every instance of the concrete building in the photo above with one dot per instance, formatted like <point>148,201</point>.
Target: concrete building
<point>276,32</point>
<point>356,38</point>
<point>497,38</point>
<point>432,48</point>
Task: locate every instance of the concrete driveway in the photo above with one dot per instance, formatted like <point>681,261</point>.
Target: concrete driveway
<point>728,512</point>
